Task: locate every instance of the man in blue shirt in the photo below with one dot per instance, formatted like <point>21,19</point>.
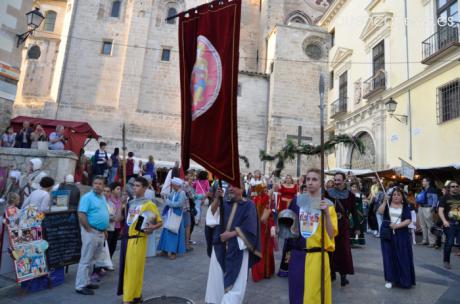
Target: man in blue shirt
<point>57,139</point>
<point>427,200</point>
<point>94,220</point>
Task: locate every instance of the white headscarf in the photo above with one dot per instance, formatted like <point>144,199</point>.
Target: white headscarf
<point>177,181</point>
<point>36,164</point>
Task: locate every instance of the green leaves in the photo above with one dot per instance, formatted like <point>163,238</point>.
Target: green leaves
<point>290,150</point>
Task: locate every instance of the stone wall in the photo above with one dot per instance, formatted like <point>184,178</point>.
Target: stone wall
<point>252,118</point>
<point>57,164</point>
<point>294,95</point>
<point>6,108</point>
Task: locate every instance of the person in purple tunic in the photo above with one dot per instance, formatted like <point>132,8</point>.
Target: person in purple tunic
<point>296,262</point>
<point>344,201</point>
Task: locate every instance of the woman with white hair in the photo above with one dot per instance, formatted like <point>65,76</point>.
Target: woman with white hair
<point>172,239</point>
<point>31,181</point>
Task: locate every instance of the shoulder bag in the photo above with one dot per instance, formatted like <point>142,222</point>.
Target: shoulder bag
<point>173,221</point>
<point>386,232</point>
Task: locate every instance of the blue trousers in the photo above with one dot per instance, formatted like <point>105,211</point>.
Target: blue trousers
<point>451,233</point>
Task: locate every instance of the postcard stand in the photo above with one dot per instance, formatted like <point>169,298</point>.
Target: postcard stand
<point>27,246</point>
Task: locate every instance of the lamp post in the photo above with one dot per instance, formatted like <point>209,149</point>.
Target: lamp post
<point>390,106</point>
<point>34,19</point>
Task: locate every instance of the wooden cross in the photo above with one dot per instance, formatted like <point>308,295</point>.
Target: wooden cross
<point>299,139</point>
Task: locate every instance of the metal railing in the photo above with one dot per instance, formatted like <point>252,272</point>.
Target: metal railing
<point>339,106</point>
<point>442,39</point>
<point>375,84</point>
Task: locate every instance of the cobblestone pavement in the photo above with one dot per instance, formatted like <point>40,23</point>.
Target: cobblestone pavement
<point>186,277</point>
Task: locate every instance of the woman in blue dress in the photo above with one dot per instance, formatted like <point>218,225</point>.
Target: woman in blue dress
<point>395,238</point>
<point>171,242</point>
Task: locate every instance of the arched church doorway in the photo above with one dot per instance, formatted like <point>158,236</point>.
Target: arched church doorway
<point>366,160</point>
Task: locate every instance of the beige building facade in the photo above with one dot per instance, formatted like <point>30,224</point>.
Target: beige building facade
<point>407,51</point>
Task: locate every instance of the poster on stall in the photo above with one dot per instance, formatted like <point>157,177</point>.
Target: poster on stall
<point>27,246</point>
<point>60,200</point>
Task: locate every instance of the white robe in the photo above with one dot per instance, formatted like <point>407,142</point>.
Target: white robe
<point>215,290</point>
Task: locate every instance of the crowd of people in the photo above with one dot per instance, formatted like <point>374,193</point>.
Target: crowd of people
<point>243,224</point>
<point>30,136</point>
<point>387,210</point>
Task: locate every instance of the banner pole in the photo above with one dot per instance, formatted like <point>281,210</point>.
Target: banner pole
<point>321,110</point>
<point>123,134</point>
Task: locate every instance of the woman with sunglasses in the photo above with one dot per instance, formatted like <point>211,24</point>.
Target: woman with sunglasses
<point>395,239</point>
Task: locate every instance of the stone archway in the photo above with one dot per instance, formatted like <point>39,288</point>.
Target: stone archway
<point>366,160</point>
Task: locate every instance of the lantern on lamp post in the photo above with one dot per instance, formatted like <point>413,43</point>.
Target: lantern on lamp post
<point>34,19</point>
<point>390,106</point>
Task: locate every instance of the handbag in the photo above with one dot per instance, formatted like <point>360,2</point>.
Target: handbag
<point>173,222</point>
<point>386,232</point>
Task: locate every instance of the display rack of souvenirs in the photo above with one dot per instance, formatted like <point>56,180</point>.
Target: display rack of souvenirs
<point>27,246</point>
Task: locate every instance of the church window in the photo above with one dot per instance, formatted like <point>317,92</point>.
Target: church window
<point>314,51</point>
<point>171,12</point>
<point>116,5</point>
<point>106,47</point>
<point>50,21</point>
<point>238,91</point>
<point>297,19</point>
<point>34,52</point>
<point>165,54</point>
<point>448,101</point>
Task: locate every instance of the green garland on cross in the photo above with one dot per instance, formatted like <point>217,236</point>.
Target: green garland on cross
<point>290,150</point>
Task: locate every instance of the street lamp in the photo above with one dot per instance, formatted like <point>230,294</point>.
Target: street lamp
<point>391,105</point>
<point>34,19</point>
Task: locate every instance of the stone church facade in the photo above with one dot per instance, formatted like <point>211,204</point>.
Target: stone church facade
<point>113,62</point>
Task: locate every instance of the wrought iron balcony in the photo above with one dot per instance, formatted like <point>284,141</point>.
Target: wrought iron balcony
<point>440,44</point>
<point>339,107</point>
<point>375,84</point>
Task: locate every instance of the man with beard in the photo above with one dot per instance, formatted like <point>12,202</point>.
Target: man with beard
<point>235,246</point>
<point>343,200</point>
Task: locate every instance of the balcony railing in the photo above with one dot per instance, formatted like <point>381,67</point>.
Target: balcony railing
<point>375,84</point>
<point>339,107</point>
<point>440,43</point>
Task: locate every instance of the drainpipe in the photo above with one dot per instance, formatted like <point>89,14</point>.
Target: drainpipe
<point>409,105</point>
<point>267,109</point>
<point>66,55</point>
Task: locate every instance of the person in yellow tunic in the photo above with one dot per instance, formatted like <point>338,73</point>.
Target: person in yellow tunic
<point>142,219</point>
<point>309,208</point>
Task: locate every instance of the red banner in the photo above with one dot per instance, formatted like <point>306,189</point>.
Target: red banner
<point>209,42</point>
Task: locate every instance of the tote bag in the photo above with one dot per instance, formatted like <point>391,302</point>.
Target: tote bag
<point>173,222</point>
